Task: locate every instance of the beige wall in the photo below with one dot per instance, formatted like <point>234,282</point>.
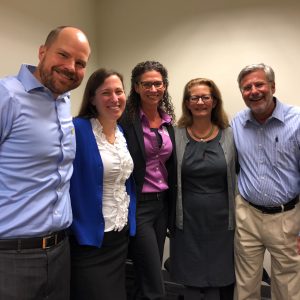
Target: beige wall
<point>195,38</point>
<point>192,38</point>
<point>25,25</point>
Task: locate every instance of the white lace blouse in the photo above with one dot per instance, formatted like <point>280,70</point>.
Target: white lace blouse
<point>117,165</point>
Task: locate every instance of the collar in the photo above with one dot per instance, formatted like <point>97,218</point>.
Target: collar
<point>278,114</point>
<point>27,78</point>
<point>30,83</point>
<point>165,118</point>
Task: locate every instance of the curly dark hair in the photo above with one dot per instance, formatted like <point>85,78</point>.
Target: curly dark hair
<point>134,101</point>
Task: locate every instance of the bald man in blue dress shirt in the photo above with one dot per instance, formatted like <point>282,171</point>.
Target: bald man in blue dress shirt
<point>37,148</point>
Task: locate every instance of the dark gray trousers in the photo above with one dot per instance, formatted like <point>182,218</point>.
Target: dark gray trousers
<point>35,274</point>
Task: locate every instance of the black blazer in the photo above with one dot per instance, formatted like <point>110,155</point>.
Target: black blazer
<point>134,135</point>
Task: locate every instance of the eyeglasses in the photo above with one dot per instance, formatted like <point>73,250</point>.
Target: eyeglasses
<point>147,85</point>
<point>204,98</point>
<point>257,85</point>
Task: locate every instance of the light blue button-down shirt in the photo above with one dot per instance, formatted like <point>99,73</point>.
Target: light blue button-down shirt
<point>269,155</point>
<point>37,148</point>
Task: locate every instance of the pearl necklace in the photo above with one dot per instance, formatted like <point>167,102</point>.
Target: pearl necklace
<point>203,138</point>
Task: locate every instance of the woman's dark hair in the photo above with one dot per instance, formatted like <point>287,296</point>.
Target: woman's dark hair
<point>87,109</point>
<point>134,100</point>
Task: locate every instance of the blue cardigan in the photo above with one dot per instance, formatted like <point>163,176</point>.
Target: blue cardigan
<point>86,189</point>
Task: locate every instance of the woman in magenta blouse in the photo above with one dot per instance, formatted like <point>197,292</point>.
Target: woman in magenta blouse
<point>147,125</point>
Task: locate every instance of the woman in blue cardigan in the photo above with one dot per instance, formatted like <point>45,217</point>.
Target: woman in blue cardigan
<point>102,193</point>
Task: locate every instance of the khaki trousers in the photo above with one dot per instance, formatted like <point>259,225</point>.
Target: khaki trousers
<point>256,232</point>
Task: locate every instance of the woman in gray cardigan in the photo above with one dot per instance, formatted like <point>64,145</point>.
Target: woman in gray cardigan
<point>202,244</point>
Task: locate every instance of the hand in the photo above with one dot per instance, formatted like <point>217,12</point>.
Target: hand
<point>298,244</point>
<point>169,233</point>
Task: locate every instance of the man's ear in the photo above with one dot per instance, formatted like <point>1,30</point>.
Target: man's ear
<point>273,88</point>
<point>42,51</point>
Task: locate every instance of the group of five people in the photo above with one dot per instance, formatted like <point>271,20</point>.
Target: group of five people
<point>226,192</point>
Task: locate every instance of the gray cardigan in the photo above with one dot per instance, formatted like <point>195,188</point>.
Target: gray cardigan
<point>227,144</point>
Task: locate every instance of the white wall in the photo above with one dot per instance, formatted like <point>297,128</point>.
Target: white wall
<point>197,38</point>
<point>192,38</point>
<point>25,25</point>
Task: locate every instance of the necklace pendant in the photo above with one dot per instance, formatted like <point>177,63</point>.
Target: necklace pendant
<point>203,138</point>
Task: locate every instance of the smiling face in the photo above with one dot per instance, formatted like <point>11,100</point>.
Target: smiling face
<point>63,63</point>
<point>110,99</point>
<point>200,108</point>
<point>150,89</point>
<point>257,93</point>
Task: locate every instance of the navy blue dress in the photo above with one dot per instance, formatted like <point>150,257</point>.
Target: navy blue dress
<point>202,253</point>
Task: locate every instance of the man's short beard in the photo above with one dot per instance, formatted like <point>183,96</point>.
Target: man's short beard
<point>48,80</point>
